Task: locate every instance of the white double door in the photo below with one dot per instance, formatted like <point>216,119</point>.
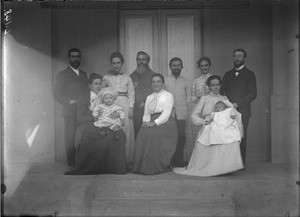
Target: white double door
<point>163,34</point>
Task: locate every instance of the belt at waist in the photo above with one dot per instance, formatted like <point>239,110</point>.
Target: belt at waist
<point>154,116</point>
<point>157,113</point>
<point>122,94</point>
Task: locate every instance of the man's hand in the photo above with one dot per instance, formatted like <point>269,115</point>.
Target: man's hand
<point>72,101</point>
<point>235,105</point>
<point>130,113</point>
<point>142,105</point>
<point>135,84</point>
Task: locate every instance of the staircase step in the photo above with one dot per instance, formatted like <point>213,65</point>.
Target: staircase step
<point>207,206</point>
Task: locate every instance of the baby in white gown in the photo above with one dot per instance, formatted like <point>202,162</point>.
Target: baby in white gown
<point>102,113</point>
<point>223,129</point>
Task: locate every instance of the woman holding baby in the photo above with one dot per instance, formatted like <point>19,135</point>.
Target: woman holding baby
<point>98,152</point>
<point>213,155</point>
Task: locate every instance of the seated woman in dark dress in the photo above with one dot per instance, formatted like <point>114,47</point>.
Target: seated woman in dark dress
<point>97,153</point>
<point>157,138</point>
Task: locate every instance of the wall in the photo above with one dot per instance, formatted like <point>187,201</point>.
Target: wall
<point>285,95</point>
<point>224,30</point>
<point>94,32</point>
<point>28,102</point>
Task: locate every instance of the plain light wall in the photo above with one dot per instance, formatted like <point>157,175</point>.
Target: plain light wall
<point>285,95</point>
<point>28,102</point>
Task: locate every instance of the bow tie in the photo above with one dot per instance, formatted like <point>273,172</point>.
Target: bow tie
<point>237,72</point>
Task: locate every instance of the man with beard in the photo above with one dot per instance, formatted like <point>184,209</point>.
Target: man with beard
<point>239,85</point>
<point>70,84</point>
<point>178,86</point>
<point>141,78</point>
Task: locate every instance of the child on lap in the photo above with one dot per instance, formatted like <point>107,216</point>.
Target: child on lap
<point>103,112</point>
<point>224,127</point>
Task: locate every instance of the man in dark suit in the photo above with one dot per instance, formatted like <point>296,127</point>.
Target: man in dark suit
<point>70,84</point>
<point>142,82</point>
<point>239,85</point>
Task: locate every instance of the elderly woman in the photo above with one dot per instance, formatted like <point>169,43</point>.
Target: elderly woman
<point>122,83</point>
<point>97,153</point>
<point>215,159</point>
<point>199,89</point>
<point>157,138</point>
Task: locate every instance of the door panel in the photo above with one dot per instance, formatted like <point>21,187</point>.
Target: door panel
<point>138,32</point>
<point>163,34</point>
<point>138,37</point>
<point>180,43</point>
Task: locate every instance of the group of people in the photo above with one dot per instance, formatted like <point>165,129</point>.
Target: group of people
<point>148,124</point>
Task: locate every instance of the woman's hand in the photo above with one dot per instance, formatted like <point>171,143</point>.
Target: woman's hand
<point>130,113</point>
<point>114,115</point>
<point>207,122</point>
<point>122,122</point>
<point>99,114</point>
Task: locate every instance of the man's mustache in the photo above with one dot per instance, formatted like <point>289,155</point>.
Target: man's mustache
<point>142,64</point>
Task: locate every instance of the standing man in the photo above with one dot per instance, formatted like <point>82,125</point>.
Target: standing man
<point>141,79</point>
<point>70,84</point>
<point>178,86</point>
<point>239,85</point>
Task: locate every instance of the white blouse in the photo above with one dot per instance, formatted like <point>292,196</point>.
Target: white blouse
<point>121,83</point>
<point>165,103</point>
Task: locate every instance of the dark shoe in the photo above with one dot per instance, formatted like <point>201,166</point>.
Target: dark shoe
<point>72,167</point>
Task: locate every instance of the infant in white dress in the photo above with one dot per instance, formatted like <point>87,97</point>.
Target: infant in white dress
<point>223,129</point>
<point>102,113</point>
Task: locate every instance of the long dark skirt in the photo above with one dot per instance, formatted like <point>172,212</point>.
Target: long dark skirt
<point>100,154</point>
<point>155,147</point>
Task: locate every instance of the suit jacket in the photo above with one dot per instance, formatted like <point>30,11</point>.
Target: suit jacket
<point>240,89</point>
<point>144,87</point>
<point>69,86</point>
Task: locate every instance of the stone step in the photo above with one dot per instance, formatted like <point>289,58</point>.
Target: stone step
<point>189,189</point>
<point>206,206</point>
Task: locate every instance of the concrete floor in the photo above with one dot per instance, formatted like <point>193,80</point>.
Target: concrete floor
<point>263,189</point>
